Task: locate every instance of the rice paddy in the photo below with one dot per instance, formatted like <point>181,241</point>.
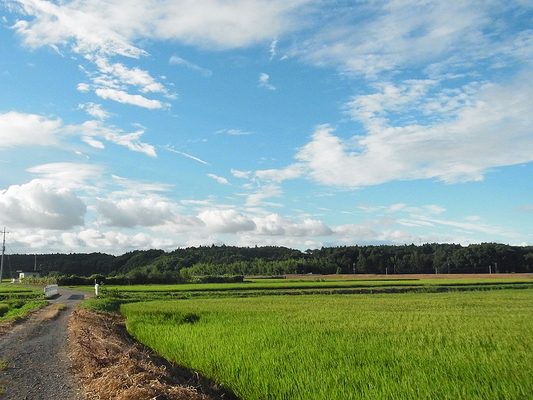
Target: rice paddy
<point>455,345</point>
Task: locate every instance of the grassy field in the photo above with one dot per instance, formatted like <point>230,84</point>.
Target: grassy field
<point>456,345</point>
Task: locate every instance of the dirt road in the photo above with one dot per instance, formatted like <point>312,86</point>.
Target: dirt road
<point>36,354</point>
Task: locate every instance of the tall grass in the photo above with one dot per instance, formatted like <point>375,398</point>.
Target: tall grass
<point>460,345</point>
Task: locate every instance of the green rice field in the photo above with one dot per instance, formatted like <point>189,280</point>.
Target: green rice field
<point>455,345</point>
<point>18,301</point>
<point>250,285</point>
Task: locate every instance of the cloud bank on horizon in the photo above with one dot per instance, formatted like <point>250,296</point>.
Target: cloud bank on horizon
<point>162,124</point>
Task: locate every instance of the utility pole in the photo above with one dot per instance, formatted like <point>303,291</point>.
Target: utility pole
<point>3,251</point>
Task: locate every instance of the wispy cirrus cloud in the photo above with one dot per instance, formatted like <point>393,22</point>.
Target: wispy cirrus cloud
<point>233,132</point>
<point>369,39</point>
<point>180,61</point>
<point>186,155</point>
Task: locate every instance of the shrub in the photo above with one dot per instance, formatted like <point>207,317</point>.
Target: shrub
<point>4,308</point>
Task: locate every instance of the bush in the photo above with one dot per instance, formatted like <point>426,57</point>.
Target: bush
<point>4,308</point>
<point>219,279</point>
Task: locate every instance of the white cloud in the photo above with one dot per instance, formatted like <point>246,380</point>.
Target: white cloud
<point>80,24</point>
<point>180,61</point>
<point>83,87</point>
<point>264,82</point>
<point>276,225</point>
<point>243,22</point>
<point>112,241</point>
<point>126,98</point>
<point>19,129</point>
<point>278,175</point>
<point>476,226</point>
<point>262,193</point>
<point>186,155</point>
<point>241,174</point>
<point>219,179</point>
<point>129,213</point>
<point>108,27</point>
<point>234,132</point>
<point>355,232</point>
<point>95,110</point>
<point>34,205</point>
<point>136,189</point>
<point>374,37</point>
<point>226,221</point>
<point>92,129</point>
<point>93,142</point>
<point>62,175</point>
<point>273,48</point>
<point>493,130</point>
<point>129,76</point>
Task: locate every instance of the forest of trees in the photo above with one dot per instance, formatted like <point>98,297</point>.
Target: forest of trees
<point>158,266</point>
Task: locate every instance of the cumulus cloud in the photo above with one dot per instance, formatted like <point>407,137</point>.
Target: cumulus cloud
<point>219,179</point>
<point>491,131</point>
<point>129,213</point>
<point>226,221</point>
<point>276,225</point>
<point>34,205</point>
<point>20,129</point>
<point>113,241</point>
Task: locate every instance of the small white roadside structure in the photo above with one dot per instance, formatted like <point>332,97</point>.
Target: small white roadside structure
<point>50,290</point>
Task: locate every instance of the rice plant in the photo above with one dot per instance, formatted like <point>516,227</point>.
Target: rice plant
<point>457,345</point>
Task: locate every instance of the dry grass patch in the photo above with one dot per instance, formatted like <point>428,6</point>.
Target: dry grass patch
<point>112,366</point>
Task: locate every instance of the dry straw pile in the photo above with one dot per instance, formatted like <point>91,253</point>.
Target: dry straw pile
<point>112,366</point>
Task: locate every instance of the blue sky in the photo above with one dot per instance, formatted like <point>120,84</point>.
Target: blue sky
<point>137,124</point>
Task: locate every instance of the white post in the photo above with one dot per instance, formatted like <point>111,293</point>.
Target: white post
<point>3,251</point>
<point>96,289</point>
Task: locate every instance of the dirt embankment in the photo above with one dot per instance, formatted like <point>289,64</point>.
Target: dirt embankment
<point>112,366</point>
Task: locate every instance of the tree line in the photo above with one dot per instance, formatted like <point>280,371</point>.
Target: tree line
<point>183,263</point>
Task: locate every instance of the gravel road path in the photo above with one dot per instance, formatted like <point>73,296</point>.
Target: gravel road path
<point>36,353</point>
